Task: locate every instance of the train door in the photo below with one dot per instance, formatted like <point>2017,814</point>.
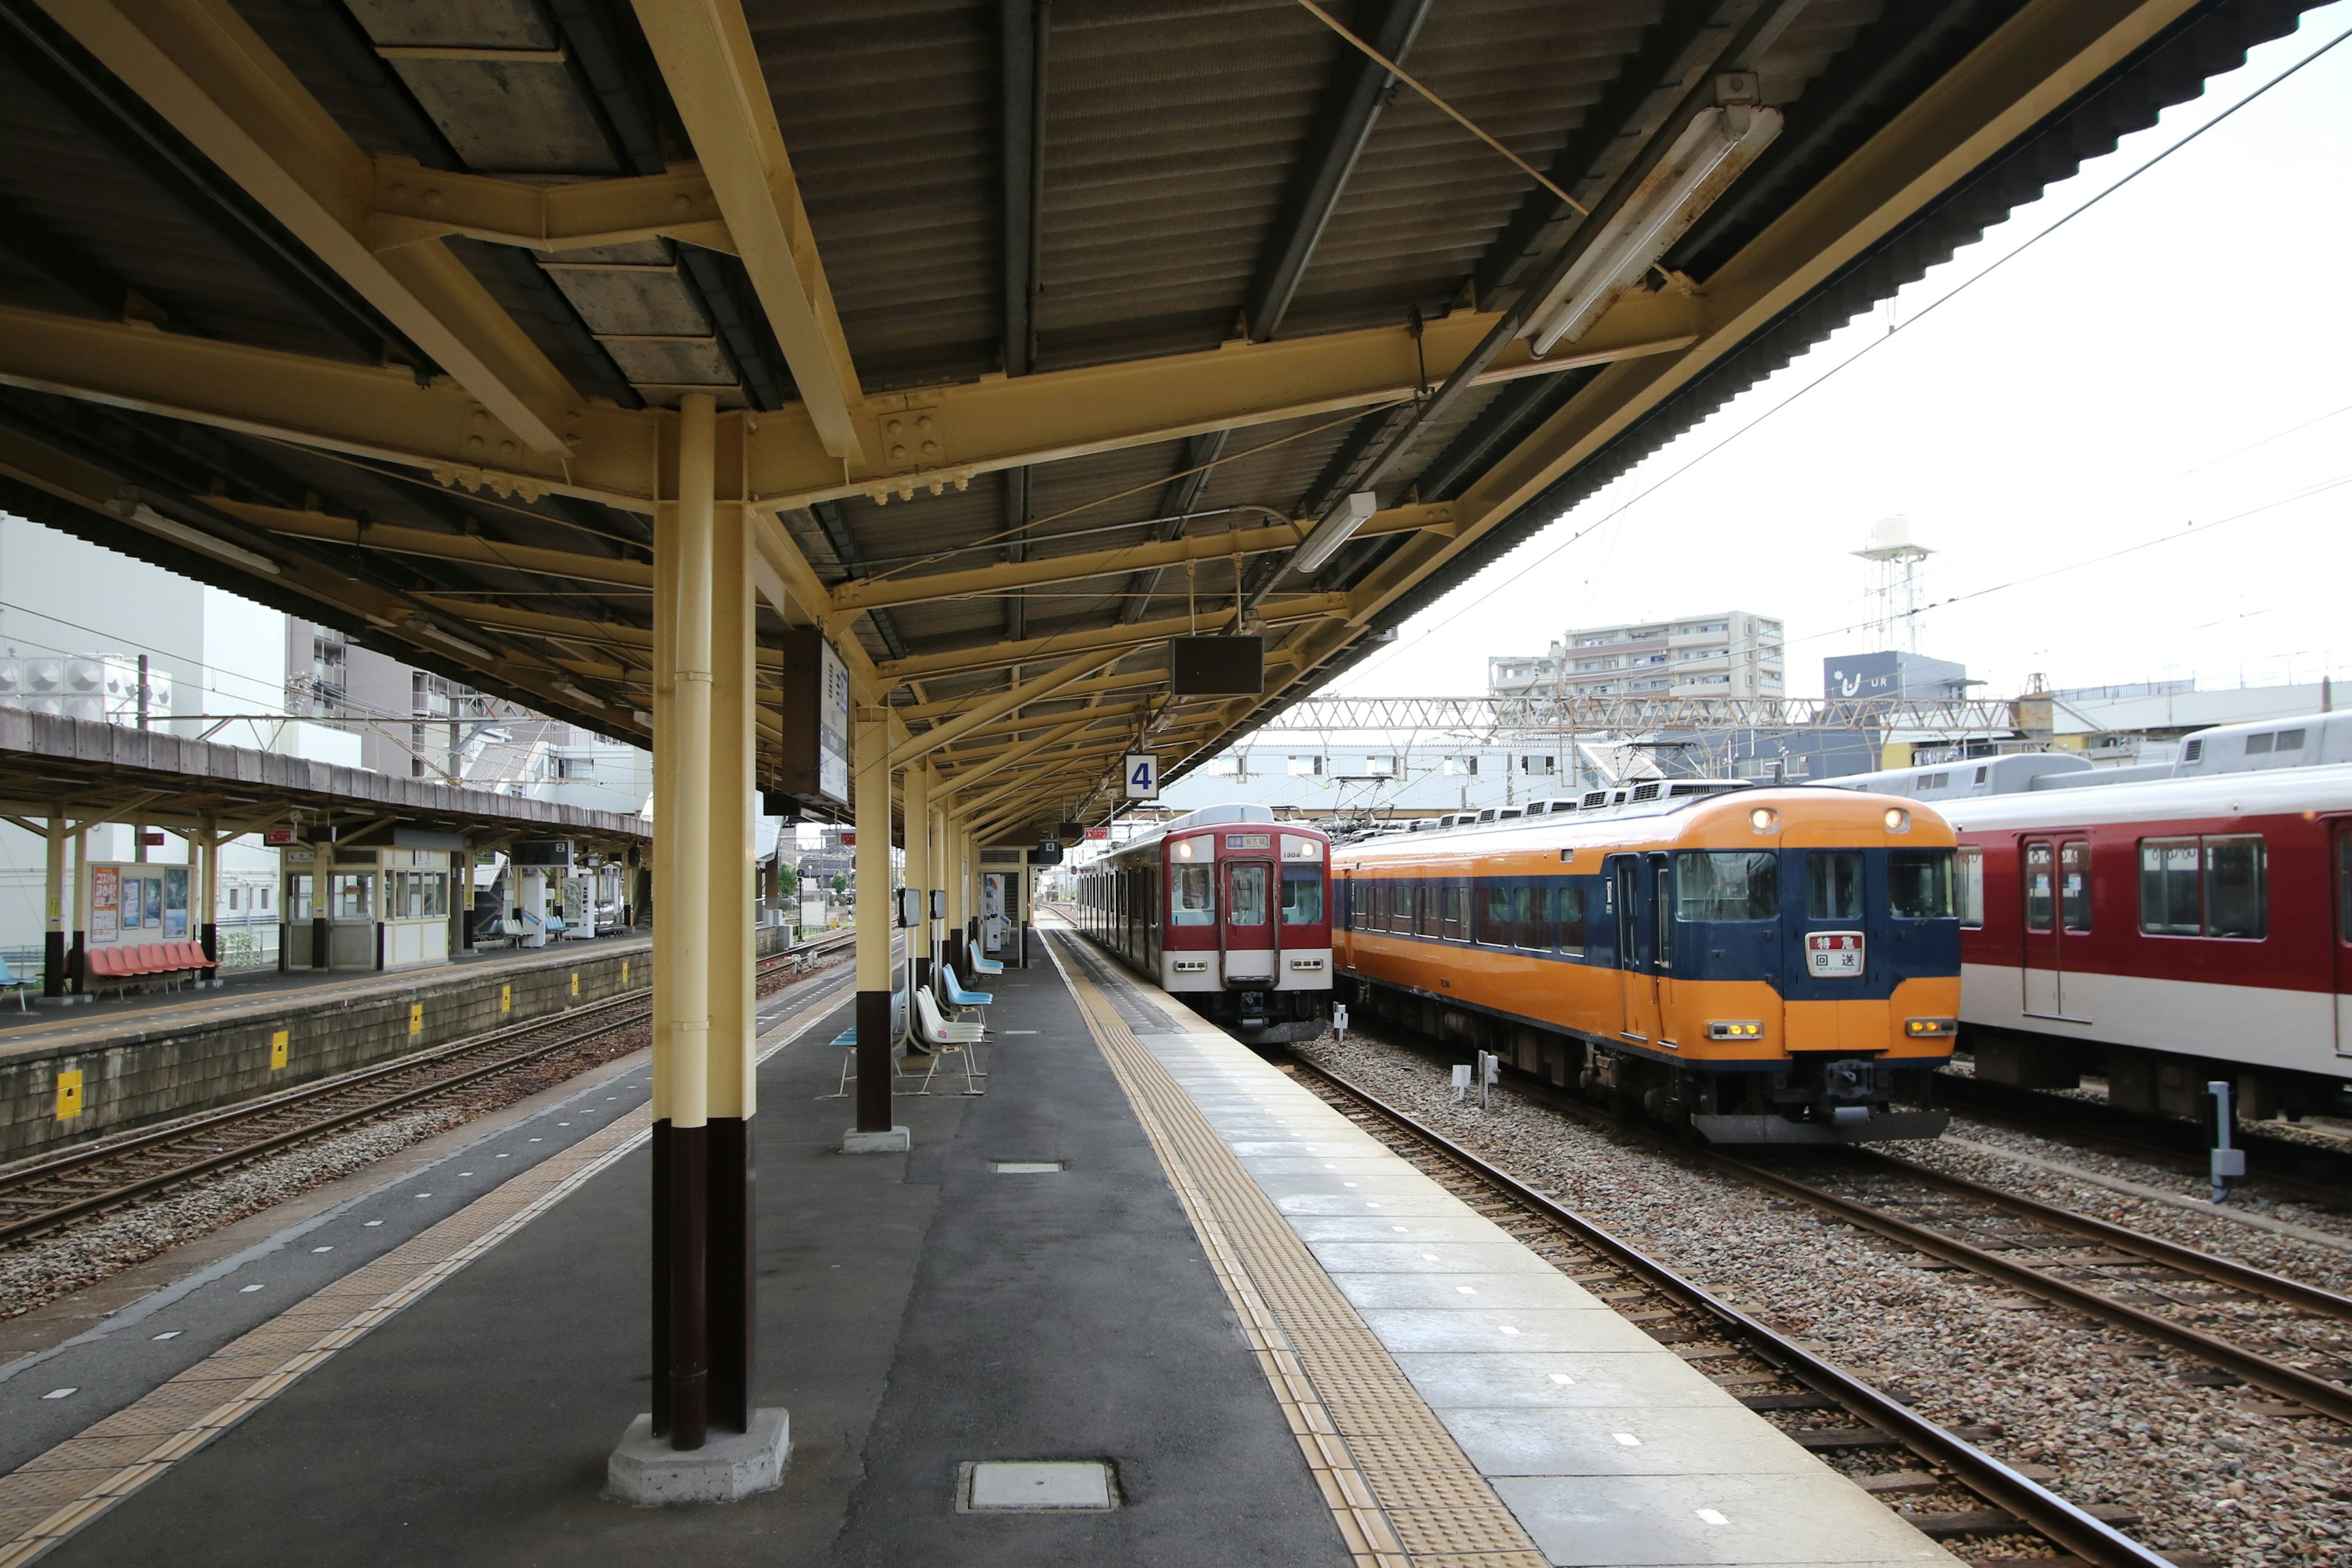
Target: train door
<point>1661,922</point>
<point>1637,946</point>
<point>1344,918</point>
<point>1246,931</point>
<point>2343,944</point>
<point>2055,877</point>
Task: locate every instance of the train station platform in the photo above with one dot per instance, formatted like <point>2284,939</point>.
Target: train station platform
<point>1143,1252</point>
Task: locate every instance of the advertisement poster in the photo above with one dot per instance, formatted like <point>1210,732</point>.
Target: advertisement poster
<point>176,902</point>
<point>105,903</point>
<point>151,904</point>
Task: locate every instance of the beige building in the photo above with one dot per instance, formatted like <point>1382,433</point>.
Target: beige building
<point>1728,653</point>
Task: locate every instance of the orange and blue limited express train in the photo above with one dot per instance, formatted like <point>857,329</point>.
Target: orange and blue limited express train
<point>1757,965</point>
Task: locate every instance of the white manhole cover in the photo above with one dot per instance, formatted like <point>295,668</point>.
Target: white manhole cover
<point>1035,1485</point>
<point>1025,1167</point>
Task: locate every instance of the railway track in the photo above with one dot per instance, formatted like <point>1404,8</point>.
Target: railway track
<point>43,1194</point>
<point>2014,1502</point>
<point>2316,1175</point>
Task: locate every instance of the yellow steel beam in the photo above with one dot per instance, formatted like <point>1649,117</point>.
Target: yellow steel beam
<point>1128,681</point>
<point>1004,729</point>
<point>396,541</point>
<point>962,780</point>
<point>873,593</point>
<point>945,435</point>
<point>1004,702</point>
<point>1036,650</point>
<point>705,52</point>
<point>412,205</point>
<point>995,423</point>
<point>365,410</point>
<point>2048,52</point>
<point>204,70</point>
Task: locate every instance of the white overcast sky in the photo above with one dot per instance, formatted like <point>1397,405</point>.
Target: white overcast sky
<point>2098,392</point>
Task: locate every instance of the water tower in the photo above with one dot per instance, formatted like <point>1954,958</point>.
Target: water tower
<point>1894,555</point>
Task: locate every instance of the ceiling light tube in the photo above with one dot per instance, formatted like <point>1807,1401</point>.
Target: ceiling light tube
<point>427,628</point>
<point>1334,532</point>
<point>1711,153</point>
<point>147,517</point>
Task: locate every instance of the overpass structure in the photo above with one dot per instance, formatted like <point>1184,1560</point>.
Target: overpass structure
<point>596,353</point>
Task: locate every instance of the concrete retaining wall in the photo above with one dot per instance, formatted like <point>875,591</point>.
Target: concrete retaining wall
<point>177,1066</point>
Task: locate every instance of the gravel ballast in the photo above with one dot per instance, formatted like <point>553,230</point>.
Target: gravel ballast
<point>2117,1420</point>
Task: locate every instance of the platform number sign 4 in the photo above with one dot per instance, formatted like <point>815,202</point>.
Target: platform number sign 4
<point>1142,777</point>
<point>1834,955</point>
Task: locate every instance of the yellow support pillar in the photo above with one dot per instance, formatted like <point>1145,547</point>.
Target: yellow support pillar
<point>915,807</point>
<point>876,1041</point>
<point>684,567</point>
<point>732,805</point>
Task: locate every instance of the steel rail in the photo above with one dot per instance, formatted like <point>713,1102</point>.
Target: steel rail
<point>2173,1255</point>
<point>2288,1382</point>
<point>91,1157</point>
<point>2034,1507</point>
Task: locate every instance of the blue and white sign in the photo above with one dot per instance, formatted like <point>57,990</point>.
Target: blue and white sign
<point>1142,778</point>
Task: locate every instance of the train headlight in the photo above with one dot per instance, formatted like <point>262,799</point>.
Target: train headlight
<point>1898,820</point>
<point>1931,1028</point>
<point>1735,1029</point>
<point>1763,819</point>
<point>1185,849</point>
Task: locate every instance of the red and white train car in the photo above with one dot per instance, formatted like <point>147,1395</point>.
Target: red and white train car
<point>2162,931</point>
<point>1228,909</point>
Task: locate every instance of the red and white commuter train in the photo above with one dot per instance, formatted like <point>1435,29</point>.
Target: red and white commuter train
<point>1228,909</point>
<point>2161,925</point>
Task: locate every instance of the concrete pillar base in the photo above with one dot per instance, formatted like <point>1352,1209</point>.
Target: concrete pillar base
<point>646,1471</point>
<point>897,1141</point>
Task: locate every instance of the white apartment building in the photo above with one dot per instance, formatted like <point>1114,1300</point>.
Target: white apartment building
<point>1728,653</point>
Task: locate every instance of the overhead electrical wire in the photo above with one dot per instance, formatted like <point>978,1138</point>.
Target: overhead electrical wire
<point>1891,332</point>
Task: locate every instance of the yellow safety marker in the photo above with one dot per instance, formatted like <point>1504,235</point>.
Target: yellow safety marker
<point>506,998</point>
<point>276,1050</point>
<point>575,983</point>
<point>624,971</point>
<point>70,1094</point>
<point>416,1019</point>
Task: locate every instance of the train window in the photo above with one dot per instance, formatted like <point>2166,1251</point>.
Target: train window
<point>2074,884</point>
<point>1919,884</point>
<point>2234,905</point>
<point>1245,888</point>
<point>2205,887</point>
<point>1833,885</point>
<point>1499,903</point>
<point>1400,907</point>
<point>1531,913</point>
<point>1458,911</point>
<point>1968,886</point>
<point>1425,909</point>
<point>2167,888</point>
<point>1302,895</point>
<point>1196,897</point>
<point>1726,885</point>
<point>1568,917</point>
<point>2039,900</point>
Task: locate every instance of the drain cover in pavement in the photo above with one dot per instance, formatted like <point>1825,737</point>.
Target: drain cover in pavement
<point>1027,1167</point>
<point>1037,1484</point>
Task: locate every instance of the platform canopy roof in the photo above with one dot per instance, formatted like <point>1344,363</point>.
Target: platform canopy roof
<point>1048,328</point>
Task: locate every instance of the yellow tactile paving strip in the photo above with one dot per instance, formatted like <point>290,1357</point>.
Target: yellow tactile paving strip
<point>1403,1494</point>
<point>50,1497</point>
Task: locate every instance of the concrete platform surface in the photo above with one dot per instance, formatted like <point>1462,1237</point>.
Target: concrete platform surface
<point>1145,1301</point>
<point>919,1314</point>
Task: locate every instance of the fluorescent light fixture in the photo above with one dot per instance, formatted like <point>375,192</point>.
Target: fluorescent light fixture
<point>1335,530</point>
<point>147,517</point>
<point>578,695</point>
<point>1711,152</point>
<point>427,628</point>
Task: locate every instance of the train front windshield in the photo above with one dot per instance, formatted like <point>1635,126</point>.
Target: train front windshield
<point>1302,895</point>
